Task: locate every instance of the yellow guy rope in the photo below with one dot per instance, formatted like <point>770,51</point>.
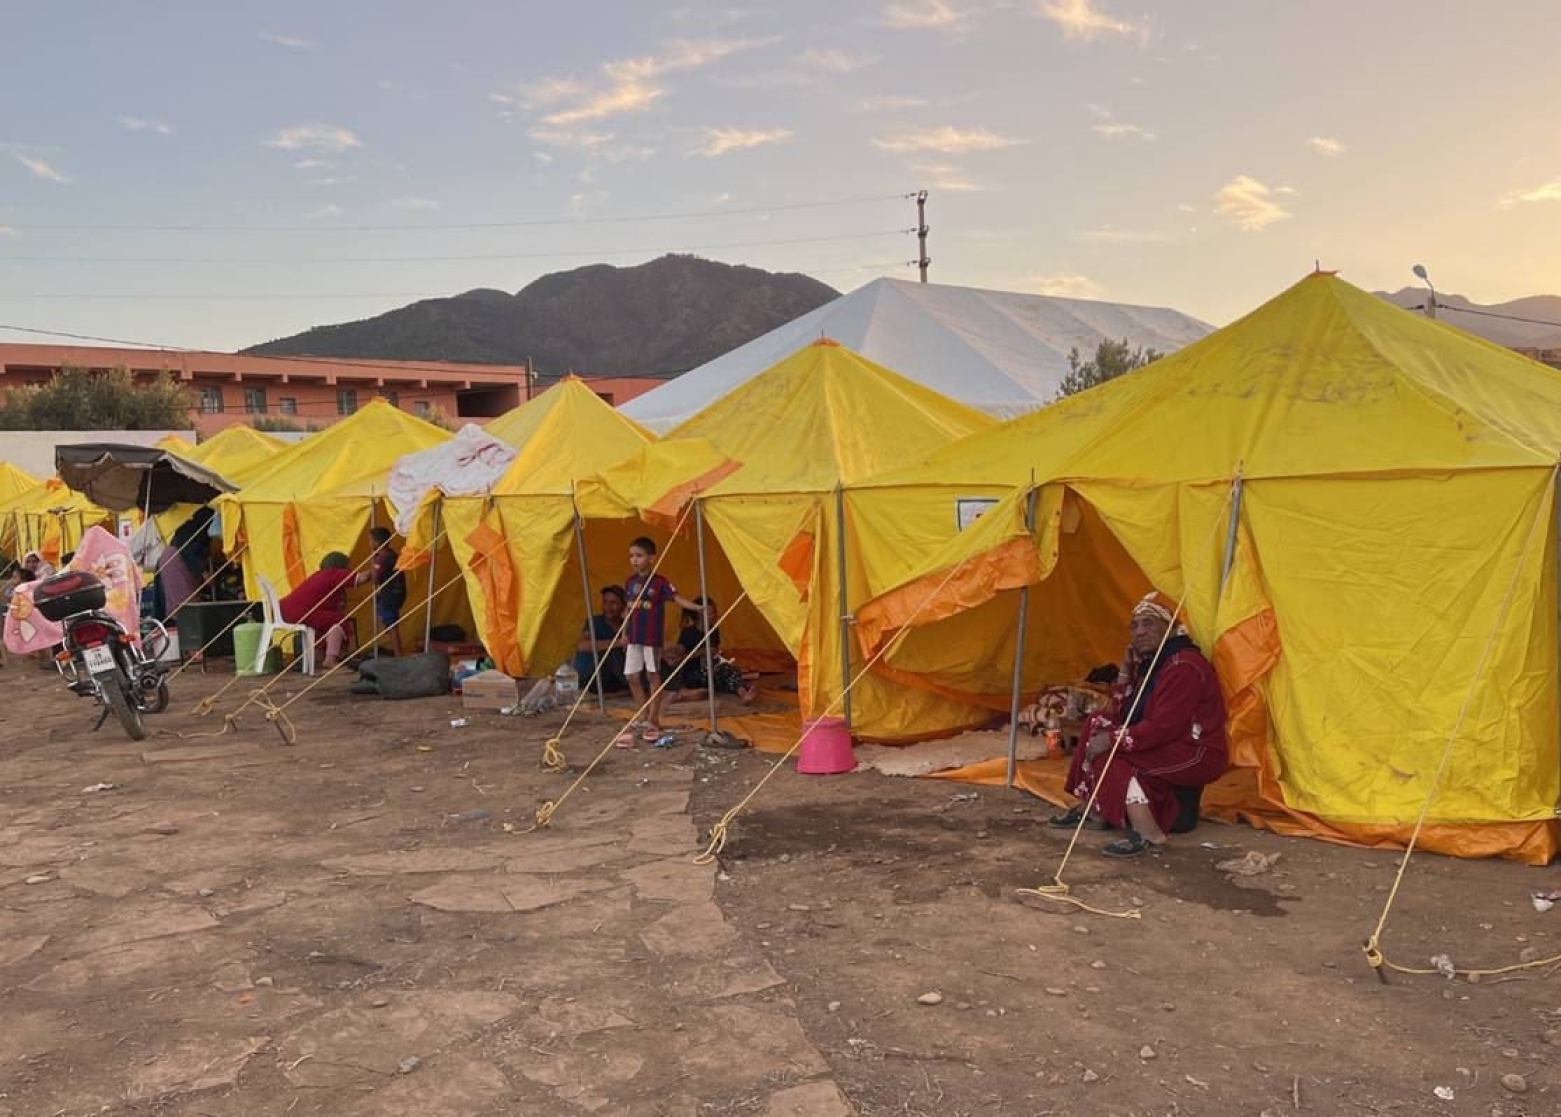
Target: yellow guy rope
<point>1373,945</point>
<point>553,759</point>
<point>547,810</point>
<point>718,832</point>
<point>1059,890</point>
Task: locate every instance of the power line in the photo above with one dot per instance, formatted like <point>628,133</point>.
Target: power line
<point>1493,314</point>
<point>446,226</point>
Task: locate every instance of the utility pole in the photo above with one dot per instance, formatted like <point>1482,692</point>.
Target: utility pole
<point>922,259</point>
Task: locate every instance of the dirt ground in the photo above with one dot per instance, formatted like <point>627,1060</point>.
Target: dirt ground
<point>357,925</point>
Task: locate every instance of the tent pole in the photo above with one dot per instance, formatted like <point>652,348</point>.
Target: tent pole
<point>590,617</point>
<point>704,598</point>
<point>374,523</point>
<point>433,564</point>
<point>1019,642</point>
<point>1237,486</point>
<point>845,605</point>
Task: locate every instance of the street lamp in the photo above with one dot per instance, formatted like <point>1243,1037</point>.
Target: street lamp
<point>1430,306</point>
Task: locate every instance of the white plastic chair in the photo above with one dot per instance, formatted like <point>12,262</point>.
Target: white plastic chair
<point>272,625</point>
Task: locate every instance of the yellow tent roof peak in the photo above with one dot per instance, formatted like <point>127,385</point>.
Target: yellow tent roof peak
<point>825,416</point>
<point>566,432</point>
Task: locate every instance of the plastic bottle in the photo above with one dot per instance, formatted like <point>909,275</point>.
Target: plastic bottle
<point>566,682</point>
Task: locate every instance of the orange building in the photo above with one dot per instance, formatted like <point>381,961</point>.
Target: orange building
<point>230,388</point>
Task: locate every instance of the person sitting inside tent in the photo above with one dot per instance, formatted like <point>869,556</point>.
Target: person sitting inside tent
<point>320,601</point>
<point>688,681</point>
<point>609,643</point>
<point>1169,713</point>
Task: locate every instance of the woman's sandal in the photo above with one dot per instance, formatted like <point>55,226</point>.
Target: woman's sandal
<point>651,733</point>
<point>1130,846</point>
<point>1071,819</point>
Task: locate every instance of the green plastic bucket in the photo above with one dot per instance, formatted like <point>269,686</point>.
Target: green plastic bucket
<point>246,643</point>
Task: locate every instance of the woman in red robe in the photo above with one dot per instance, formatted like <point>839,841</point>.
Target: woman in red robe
<point>320,601</point>
<point>1170,714</point>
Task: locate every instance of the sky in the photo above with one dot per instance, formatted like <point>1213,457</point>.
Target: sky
<point>182,173</point>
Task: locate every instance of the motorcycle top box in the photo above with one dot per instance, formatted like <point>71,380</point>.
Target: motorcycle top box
<point>65,594</point>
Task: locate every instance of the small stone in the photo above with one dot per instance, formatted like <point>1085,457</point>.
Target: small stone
<point>991,1012</point>
<point>1167,1006</point>
<point>166,828</point>
<point>509,936</point>
<point>1053,991</point>
<point>39,878</point>
<point>205,893</point>
<point>1146,1052</point>
<point>1080,929</point>
<point>834,1006</point>
<point>1528,954</point>
<point>264,982</point>
<point>378,1002</point>
<point>980,835</point>
<point>409,1064</point>
<point>1509,1052</point>
<point>1090,1076</point>
<point>1514,1082</point>
<point>785,859</point>
<point>418,789</point>
<point>1097,964</point>
<point>1473,978</point>
<point>964,1006</point>
<point>798,907</point>
<point>1553,1037</point>
<point>930,999</point>
<point>1135,901</point>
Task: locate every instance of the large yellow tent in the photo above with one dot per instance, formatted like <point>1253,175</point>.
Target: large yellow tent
<point>14,481</point>
<point>1359,507</point>
<point>517,545</point>
<point>238,453</point>
<point>322,495</point>
<point>48,518</point>
<point>823,418</point>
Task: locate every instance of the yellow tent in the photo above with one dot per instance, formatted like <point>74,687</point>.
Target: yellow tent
<point>322,495</point>
<point>175,444</point>
<point>516,546</point>
<point>14,481</point>
<point>1359,506</point>
<point>48,518</point>
<point>821,419</point>
<point>238,453</point>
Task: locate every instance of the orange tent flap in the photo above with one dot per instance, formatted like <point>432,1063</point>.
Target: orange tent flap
<point>502,591</point>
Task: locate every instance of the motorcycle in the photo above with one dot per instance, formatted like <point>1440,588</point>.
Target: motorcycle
<point>98,659</point>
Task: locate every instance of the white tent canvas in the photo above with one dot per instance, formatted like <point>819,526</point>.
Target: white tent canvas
<point>1001,351</point>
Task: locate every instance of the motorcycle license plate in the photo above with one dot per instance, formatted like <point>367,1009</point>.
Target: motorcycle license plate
<point>98,659</point>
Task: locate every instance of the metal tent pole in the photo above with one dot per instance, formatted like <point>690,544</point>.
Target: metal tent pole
<point>845,605</point>
<point>590,617</point>
<point>433,566</point>
<point>704,598</point>
<point>1019,645</point>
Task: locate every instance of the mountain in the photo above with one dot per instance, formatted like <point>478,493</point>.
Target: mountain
<point>664,316</point>
<point>1542,332</point>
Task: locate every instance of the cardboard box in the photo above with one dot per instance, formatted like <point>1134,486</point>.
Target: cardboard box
<point>489,690</point>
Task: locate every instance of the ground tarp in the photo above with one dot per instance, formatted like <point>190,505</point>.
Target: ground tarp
<point>1383,577</point>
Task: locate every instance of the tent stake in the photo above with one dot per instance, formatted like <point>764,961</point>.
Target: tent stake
<point>433,564</point>
<point>704,599</point>
<point>1019,642</point>
<point>845,606</point>
<point>590,616</point>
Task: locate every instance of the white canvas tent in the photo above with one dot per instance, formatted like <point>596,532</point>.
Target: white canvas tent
<point>1000,351</point>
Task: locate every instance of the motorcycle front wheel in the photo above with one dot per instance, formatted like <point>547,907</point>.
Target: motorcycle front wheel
<point>116,692</point>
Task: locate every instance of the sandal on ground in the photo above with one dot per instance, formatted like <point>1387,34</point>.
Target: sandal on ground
<point>651,733</point>
<point>1130,846</point>
<point>624,740</point>
<point>1071,819</point>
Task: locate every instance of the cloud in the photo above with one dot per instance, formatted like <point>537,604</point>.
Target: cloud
<point>413,205</point>
<point>889,102</point>
<point>1324,145</point>
<point>1549,192</point>
<point>923,15</point>
<point>1185,208</point>
<point>1116,130</point>
<point>312,164</point>
<point>1082,20</point>
<point>324,181</point>
<point>291,42</point>
<point>1106,234</point>
<point>325,212</point>
<point>1065,286</point>
<point>942,176</point>
<point>542,157</point>
<point>945,139</point>
<point>723,141</point>
<point>40,169</point>
<point>1248,204</point>
<point>835,61</point>
<point>142,124</point>
<point>631,84</point>
<point>579,139</point>
<point>7,231</point>
<point>315,137</point>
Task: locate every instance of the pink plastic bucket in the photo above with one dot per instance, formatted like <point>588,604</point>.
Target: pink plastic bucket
<point>826,749</point>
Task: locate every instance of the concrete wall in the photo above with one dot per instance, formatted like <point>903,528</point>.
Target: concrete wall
<point>34,450</point>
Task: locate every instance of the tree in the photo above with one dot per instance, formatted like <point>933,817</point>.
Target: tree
<point>1111,360</point>
<point>81,399</point>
